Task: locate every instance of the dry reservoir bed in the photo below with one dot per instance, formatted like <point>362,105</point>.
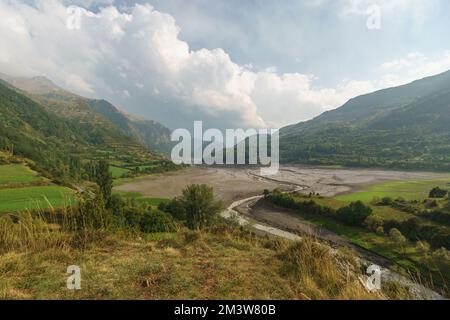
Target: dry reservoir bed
<point>234,183</point>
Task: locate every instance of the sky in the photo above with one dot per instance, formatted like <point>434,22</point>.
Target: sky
<point>229,63</point>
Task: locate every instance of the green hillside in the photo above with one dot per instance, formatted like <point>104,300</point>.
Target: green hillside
<point>147,132</point>
<point>60,144</point>
<point>402,127</point>
<point>94,114</point>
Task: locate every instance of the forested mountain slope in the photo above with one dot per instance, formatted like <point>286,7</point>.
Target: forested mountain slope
<point>101,113</point>
<point>59,147</point>
<point>403,127</point>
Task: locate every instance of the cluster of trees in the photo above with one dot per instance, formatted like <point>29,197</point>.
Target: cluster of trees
<point>359,214</point>
<point>438,216</point>
<point>413,229</point>
<point>197,208</point>
<point>103,210</point>
<point>354,214</point>
<point>438,193</point>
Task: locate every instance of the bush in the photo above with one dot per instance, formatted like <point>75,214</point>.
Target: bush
<point>156,221</point>
<point>354,214</point>
<point>200,206</point>
<point>396,236</point>
<point>386,201</point>
<point>438,193</point>
<point>373,223</point>
<point>89,214</point>
<point>175,208</point>
<point>148,220</point>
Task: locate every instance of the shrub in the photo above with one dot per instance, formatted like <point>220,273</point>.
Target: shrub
<point>386,201</point>
<point>380,231</point>
<point>156,221</point>
<point>373,223</point>
<point>354,214</point>
<point>148,220</point>
<point>175,208</point>
<point>441,259</point>
<point>396,236</point>
<point>423,247</point>
<point>438,193</point>
<point>200,205</point>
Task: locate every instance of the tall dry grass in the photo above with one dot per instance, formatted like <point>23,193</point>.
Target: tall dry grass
<point>74,226</point>
<point>320,274</point>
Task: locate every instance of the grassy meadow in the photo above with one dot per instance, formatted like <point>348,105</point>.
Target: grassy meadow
<point>17,174</point>
<point>118,172</point>
<point>408,190</point>
<point>223,263</point>
<point>22,189</point>
<point>29,198</point>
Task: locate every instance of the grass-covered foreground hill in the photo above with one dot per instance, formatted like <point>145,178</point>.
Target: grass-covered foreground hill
<point>221,263</point>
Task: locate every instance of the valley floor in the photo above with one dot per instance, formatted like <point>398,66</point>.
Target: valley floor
<point>336,187</point>
<point>236,183</point>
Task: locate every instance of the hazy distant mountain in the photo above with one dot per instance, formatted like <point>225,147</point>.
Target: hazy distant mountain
<point>405,126</point>
<point>148,133</point>
<point>36,85</point>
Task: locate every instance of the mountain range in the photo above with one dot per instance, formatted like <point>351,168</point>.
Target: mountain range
<point>148,133</point>
<point>60,133</point>
<point>403,127</point>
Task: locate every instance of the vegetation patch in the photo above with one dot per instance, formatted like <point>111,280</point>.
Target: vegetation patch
<point>417,244</point>
<point>29,198</point>
<point>118,172</point>
<point>17,174</point>
<point>408,190</point>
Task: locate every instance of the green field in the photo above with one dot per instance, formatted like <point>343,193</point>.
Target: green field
<point>117,172</point>
<point>17,199</point>
<point>16,174</point>
<point>408,190</point>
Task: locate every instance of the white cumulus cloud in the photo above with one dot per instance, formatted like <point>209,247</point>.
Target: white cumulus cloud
<point>135,58</point>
